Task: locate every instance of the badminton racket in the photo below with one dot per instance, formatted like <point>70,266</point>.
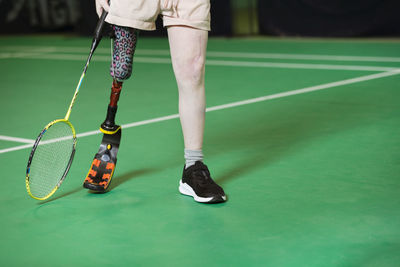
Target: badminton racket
<point>53,151</point>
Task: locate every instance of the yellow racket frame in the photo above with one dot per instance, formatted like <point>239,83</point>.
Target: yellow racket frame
<point>37,141</point>
<point>33,152</point>
<point>95,42</point>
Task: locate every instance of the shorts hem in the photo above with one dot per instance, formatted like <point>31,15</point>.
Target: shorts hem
<point>136,24</point>
<point>171,21</point>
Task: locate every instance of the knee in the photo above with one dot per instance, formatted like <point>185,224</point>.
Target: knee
<point>189,71</point>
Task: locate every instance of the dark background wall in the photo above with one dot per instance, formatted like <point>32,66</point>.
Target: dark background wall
<point>331,18</point>
<point>32,16</point>
<point>28,16</point>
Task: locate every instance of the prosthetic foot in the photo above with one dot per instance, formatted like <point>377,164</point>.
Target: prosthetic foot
<point>103,165</point>
<point>102,169</point>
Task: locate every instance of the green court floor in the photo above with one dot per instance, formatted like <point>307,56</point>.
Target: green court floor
<point>303,134</point>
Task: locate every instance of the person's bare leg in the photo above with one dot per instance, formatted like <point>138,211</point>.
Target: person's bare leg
<point>188,50</point>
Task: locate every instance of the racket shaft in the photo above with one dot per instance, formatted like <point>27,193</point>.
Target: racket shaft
<point>95,42</point>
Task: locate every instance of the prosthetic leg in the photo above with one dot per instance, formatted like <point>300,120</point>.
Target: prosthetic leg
<point>102,169</point>
<point>99,177</point>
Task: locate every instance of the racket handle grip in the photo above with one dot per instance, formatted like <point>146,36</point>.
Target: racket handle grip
<point>97,32</point>
<point>99,27</point>
<point>96,38</point>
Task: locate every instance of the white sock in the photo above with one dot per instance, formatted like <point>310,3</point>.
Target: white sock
<point>191,156</point>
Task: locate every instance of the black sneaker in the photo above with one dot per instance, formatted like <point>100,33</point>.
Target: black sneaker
<point>196,182</point>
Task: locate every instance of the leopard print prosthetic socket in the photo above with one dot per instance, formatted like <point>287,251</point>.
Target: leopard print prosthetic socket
<point>123,52</point>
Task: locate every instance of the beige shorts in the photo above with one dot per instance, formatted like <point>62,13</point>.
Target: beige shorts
<point>142,14</point>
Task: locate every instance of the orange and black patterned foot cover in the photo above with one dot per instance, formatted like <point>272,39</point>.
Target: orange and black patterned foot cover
<point>100,174</point>
<point>99,177</point>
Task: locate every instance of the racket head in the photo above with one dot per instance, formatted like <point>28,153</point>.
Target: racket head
<point>50,159</point>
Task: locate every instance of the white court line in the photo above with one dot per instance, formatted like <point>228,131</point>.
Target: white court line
<point>240,103</point>
<point>307,89</point>
<point>163,52</point>
<point>301,56</point>
<point>19,55</point>
<point>295,65</point>
<point>16,139</point>
<point>228,63</point>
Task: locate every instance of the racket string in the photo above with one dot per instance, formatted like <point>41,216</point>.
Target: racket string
<point>51,159</point>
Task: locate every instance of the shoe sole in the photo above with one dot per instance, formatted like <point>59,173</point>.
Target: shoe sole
<point>185,189</point>
<point>95,188</point>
